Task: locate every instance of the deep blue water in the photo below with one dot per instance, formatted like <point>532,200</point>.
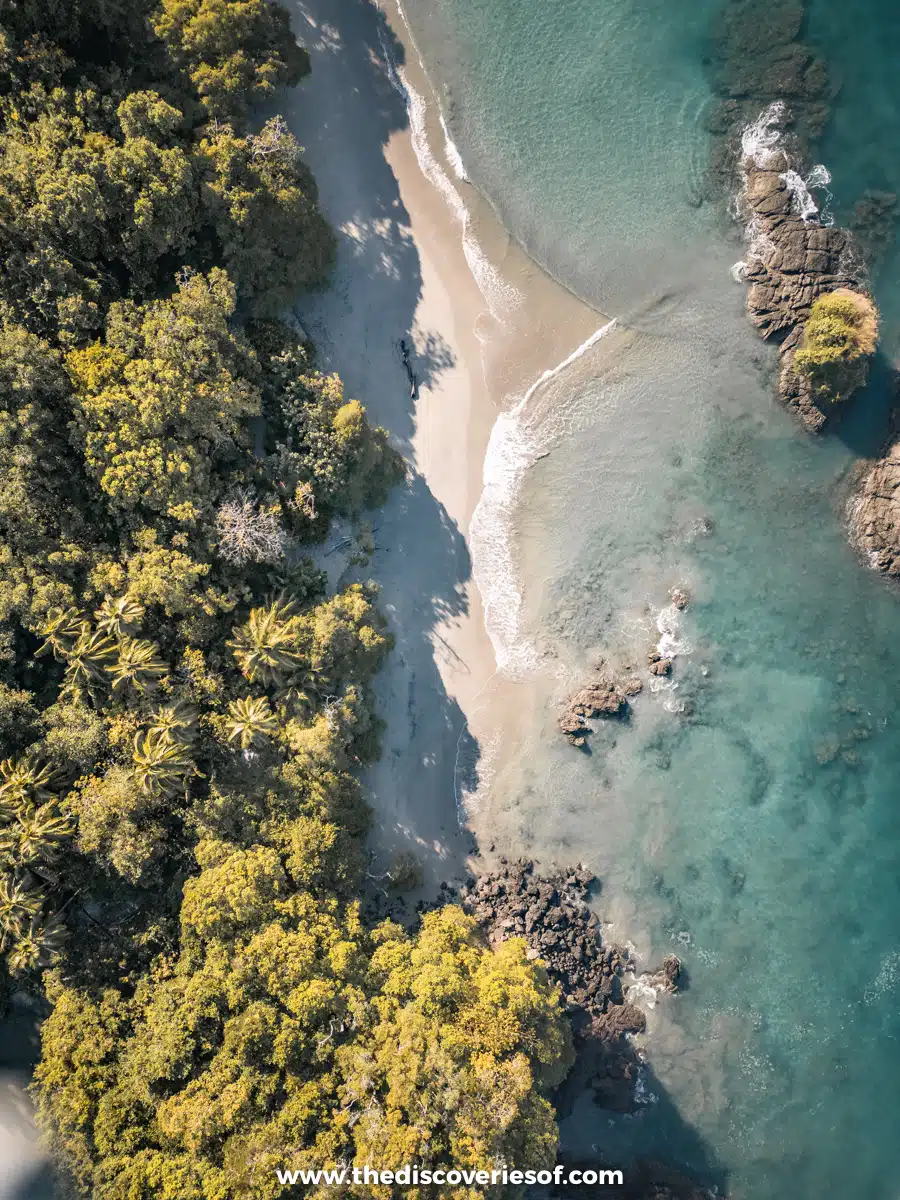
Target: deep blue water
<point>759,833</point>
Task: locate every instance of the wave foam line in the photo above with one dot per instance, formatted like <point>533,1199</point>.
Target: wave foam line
<point>501,297</point>
<point>513,447</point>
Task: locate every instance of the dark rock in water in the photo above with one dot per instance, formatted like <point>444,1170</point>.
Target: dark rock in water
<point>617,1020</point>
<point>762,58</point>
<point>875,514</point>
<point>793,261</point>
<point>602,696</point>
<point>668,974</point>
<point>874,222</point>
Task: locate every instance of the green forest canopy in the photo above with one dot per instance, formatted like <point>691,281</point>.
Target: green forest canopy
<point>183,706</point>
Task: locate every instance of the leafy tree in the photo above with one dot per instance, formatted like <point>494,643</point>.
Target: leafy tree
<point>839,337</point>
<point>237,52</point>
<point>285,1033</point>
<point>89,199</point>
<point>34,450</point>
<point>328,459</point>
<point>263,203</point>
<point>162,401</point>
<point>18,718</point>
<point>120,825</point>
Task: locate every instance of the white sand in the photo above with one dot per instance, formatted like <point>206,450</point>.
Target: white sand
<point>402,272</point>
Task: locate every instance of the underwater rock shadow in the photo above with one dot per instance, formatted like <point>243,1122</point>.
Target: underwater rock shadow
<point>629,1136</point>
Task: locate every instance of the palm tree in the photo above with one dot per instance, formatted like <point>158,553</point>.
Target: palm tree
<point>34,836</point>
<point>87,662</point>
<point>19,906</point>
<point>37,944</point>
<point>138,664</point>
<point>119,616</point>
<point>251,722</point>
<point>265,647</point>
<point>177,722</point>
<point>61,630</point>
<point>303,690</point>
<point>24,780</point>
<point>159,764</point>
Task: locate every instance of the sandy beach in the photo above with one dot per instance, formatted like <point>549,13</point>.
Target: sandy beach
<point>410,233</point>
<point>408,242</point>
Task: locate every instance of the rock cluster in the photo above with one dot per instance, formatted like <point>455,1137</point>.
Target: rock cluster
<point>875,515</point>
<point>793,261</point>
<point>659,665</point>
<point>550,912</point>
<point>602,696</point>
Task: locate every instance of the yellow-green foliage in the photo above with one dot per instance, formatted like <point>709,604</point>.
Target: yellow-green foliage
<point>163,396</point>
<point>840,334</point>
<point>237,52</point>
<point>182,828</point>
<point>286,1035</point>
<point>263,203</point>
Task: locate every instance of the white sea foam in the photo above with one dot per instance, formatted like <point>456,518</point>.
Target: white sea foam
<point>500,296</point>
<point>515,442</point>
<point>799,187</point>
<point>454,158</point>
<point>762,143</point>
<point>642,1095</point>
<point>887,979</point>
<point>761,139</point>
<point>671,644</point>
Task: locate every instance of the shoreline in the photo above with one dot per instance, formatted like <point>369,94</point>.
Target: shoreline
<point>412,236</point>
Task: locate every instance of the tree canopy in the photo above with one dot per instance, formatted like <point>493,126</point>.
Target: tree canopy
<point>184,703</point>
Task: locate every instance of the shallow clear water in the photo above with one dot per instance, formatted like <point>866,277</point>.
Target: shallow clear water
<point>758,833</point>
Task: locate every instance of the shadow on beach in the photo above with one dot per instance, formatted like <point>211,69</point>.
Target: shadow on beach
<point>344,117</point>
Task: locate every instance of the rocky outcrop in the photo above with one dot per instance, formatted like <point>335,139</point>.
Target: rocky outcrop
<point>875,514</point>
<point>550,912</point>
<point>602,696</point>
<point>792,262</point>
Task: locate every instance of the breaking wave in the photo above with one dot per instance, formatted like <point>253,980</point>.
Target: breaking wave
<point>499,295</point>
<point>516,441</point>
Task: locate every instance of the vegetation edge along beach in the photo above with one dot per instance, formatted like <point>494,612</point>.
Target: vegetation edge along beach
<point>185,707</point>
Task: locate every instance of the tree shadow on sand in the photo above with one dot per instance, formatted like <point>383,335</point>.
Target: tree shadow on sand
<point>355,95</point>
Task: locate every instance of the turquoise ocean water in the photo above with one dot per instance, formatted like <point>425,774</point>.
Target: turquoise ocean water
<point>758,833</point>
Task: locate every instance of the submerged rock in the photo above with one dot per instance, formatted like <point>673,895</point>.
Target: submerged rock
<point>602,696</point>
<point>875,514</point>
